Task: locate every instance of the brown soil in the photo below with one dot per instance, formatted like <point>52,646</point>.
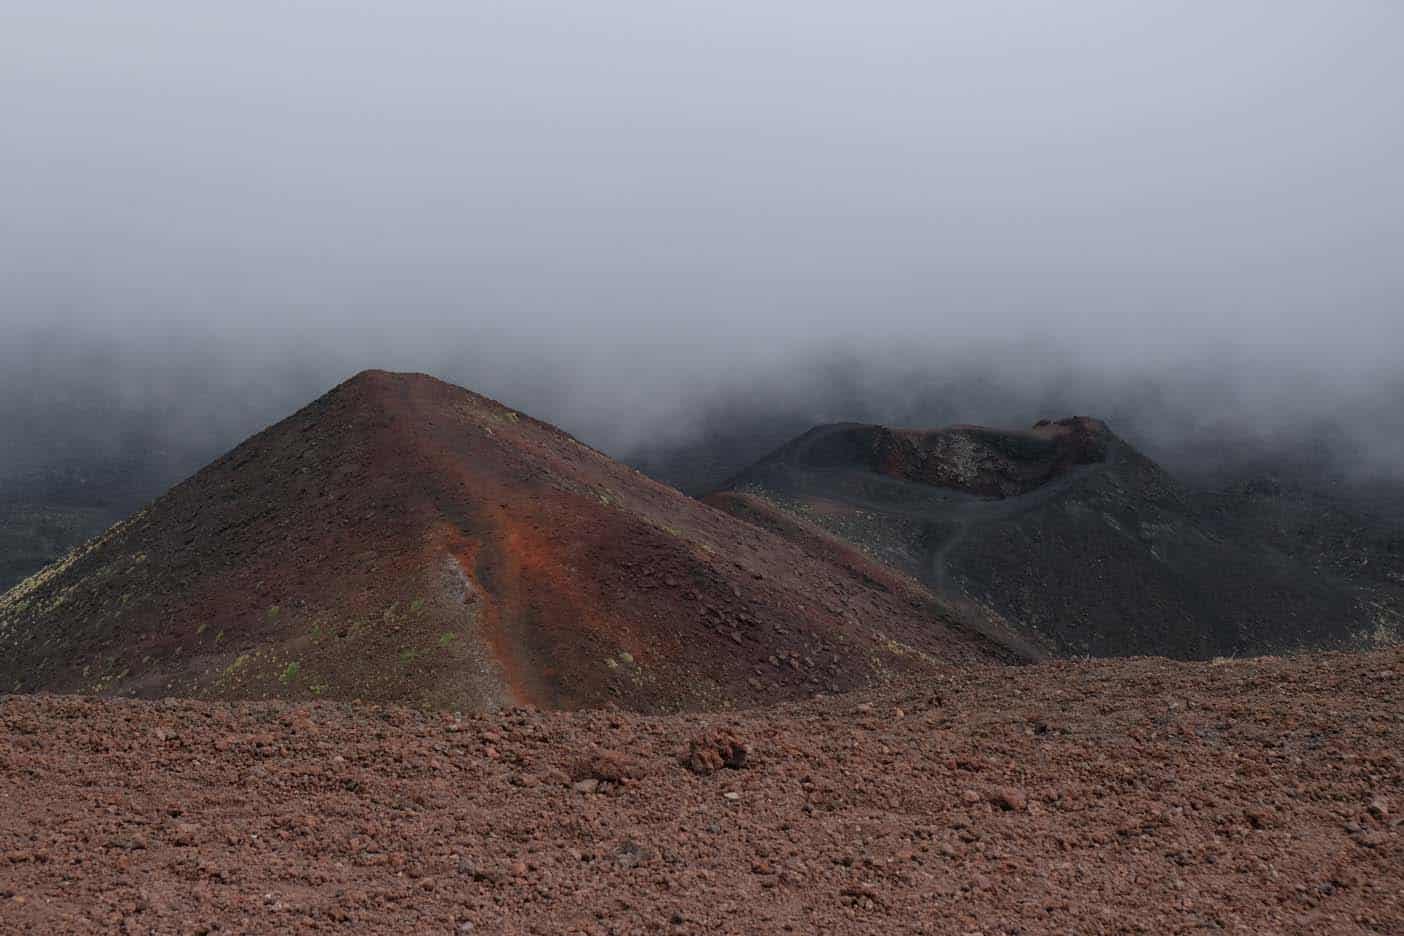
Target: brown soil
<point>1252,796</point>
<point>990,462</point>
<point>402,539</point>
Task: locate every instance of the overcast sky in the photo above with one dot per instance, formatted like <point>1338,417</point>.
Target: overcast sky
<point>606,206</point>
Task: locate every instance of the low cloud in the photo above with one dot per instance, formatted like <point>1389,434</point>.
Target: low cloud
<point>648,222</point>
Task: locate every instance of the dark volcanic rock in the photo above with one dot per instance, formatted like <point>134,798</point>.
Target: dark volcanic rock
<point>1071,536</point>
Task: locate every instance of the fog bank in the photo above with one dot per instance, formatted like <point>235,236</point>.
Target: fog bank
<point>645,220</point>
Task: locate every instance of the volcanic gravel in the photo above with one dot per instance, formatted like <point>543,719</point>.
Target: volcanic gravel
<point>1252,796</point>
<point>404,541</point>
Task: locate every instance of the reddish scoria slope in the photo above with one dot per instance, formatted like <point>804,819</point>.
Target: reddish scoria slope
<point>404,539</point>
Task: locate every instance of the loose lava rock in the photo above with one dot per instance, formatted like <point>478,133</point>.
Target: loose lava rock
<point>1249,796</point>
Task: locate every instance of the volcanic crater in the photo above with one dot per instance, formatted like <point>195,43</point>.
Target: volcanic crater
<point>403,539</point>
<point>1077,541</point>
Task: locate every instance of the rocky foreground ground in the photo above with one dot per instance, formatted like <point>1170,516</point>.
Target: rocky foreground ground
<point>1254,796</point>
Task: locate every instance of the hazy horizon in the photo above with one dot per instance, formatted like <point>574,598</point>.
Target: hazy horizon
<point>626,218</point>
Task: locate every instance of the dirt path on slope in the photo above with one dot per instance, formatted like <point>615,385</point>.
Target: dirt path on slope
<point>959,512</point>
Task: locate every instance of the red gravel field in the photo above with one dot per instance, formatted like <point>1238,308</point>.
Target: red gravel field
<point>1133,796</point>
